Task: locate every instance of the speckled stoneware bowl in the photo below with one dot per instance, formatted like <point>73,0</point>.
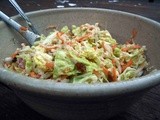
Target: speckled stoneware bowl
<point>65,101</point>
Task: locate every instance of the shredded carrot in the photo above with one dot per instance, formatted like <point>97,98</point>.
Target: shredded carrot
<point>133,47</point>
<point>136,47</point>
<point>114,46</point>
<point>96,73</point>
<point>23,29</point>
<point>105,70</point>
<point>133,35</point>
<point>114,75</point>
<point>111,77</point>
<point>14,54</point>
<point>34,75</point>
<point>49,65</point>
<point>128,64</point>
<point>95,48</point>
<point>49,47</point>
<point>59,34</point>
<point>125,49</point>
<point>114,62</point>
<point>69,43</point>
<point>83,38</point>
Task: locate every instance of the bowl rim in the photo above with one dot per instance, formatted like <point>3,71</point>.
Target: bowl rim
<point>18,81</point>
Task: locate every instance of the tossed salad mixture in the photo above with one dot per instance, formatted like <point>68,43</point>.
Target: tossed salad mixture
<point>82,54</point>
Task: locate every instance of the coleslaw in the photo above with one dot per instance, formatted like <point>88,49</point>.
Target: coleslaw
<point>82,54</point>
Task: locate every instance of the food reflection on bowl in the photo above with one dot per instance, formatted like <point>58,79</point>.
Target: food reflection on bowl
<point>83,101</point>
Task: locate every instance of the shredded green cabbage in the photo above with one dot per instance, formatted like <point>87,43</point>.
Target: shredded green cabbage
<point>82,54</point>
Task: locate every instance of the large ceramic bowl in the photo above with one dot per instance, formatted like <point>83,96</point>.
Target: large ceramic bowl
<point>66,101</point>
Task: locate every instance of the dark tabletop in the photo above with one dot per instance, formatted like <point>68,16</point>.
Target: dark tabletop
<point>148,108</point>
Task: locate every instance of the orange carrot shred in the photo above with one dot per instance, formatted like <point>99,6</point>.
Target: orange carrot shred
<point>49,65</point>
<point>94,48</point>
<point>69,43</point>
<point>34,75</point>
<point>128,64</point>
<point>59,34</point>
<point>114,75</point>
<point>114,46</point>
<point>125,49</point>
<point>14,54</point>
<point>23,29</point>
<point>105,70</point>
<point>114,62</point>
<point>96,73</point>
<point>136,47</point>
<point>83,38</point>
<point>134,34</point>
<point>49,47</point>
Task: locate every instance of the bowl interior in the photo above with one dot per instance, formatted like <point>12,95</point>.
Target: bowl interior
<point>119,25</point>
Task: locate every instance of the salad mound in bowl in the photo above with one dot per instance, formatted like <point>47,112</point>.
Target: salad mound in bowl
<point>82,54</point>
<point>80,71</point>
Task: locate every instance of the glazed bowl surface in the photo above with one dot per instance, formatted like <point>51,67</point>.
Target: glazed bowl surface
<point>66,101</point>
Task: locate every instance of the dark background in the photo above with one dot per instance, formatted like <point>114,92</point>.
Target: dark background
<point>147,108</point>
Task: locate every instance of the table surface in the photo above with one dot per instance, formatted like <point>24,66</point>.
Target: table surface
<point>148,108</point>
